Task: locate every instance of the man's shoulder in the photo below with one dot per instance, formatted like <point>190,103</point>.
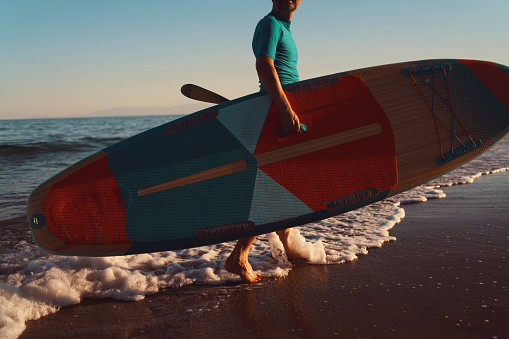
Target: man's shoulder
<point>269,18</point>
<point>269,22</point>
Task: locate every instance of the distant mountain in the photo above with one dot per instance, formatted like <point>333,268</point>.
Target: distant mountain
<point>129,111</point>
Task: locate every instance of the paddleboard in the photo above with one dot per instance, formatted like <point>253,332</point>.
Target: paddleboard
<point>225,173</point>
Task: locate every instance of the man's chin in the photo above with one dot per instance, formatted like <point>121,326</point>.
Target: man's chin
<point>287,10</point>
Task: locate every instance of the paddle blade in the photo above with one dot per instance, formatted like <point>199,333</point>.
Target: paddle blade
<point>201,94</point>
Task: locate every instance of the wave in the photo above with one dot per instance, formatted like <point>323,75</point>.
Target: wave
<point>85,144</point>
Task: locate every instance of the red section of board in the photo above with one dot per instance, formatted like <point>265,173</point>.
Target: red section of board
<point>337,171</point>
<point>90,198</point>
<point>491,76</point>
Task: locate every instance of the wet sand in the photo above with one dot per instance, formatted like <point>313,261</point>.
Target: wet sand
<point>446,276</point>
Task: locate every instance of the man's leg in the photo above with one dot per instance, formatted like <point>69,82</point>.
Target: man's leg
<point>284,236</point>
<point>238,262</point>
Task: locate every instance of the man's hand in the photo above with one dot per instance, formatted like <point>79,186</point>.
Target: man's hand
<point>290,121</point>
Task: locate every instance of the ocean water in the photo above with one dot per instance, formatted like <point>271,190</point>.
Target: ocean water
<point>34,283</point>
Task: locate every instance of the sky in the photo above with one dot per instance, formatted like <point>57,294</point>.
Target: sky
<point>61,58</point>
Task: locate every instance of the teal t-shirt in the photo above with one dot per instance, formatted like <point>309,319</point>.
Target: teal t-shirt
<point>273,38</point>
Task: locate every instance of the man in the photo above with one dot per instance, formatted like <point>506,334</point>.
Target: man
<point>276,65</point>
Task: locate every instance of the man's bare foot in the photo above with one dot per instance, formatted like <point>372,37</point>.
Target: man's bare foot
<point>291,254</point>
<point>243,269</point>
<point>284,236</point>
<point>238,263</point>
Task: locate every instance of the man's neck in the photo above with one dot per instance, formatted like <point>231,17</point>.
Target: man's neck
<point>287,15</point>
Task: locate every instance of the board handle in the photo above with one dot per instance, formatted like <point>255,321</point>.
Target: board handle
<point>303,128</point>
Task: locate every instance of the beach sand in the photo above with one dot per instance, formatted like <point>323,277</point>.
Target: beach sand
<point>446,276</point>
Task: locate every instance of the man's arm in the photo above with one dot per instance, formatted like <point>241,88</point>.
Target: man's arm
<point>270,81</point>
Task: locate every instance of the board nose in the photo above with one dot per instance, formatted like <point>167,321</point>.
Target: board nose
<point>505,81</point>
<point>495,77</point>
<point>504,68</point>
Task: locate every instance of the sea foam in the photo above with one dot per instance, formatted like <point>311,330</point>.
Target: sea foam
<point>42,283</point>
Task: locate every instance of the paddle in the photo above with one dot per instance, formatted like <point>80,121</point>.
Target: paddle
<point>201,94</point>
